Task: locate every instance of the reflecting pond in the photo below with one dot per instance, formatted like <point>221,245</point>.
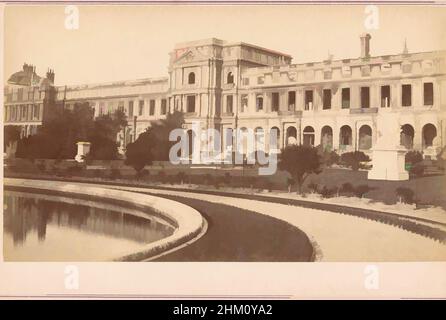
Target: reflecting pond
<point>50,228</point>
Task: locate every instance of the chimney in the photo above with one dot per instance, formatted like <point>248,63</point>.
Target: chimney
<point>50,75</point>
<point>365,45</point>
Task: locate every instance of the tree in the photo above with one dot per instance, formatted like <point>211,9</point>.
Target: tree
<point>153,144</point>
<point>159,135</point>
<point>139,154</point>
<point>103,134</point>
<point>11,135</point>
<point>300,161</point>
<point>353,159</point>
<point>56,138</point>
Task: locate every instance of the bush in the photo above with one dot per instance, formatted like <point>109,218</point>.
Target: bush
<point>208,179</point>
<point>417,170</point>
<point>73,170</point>
<point>115,174</point>
<point>330,158</point>
<point>327,192</point>
<point>353,159</point>
<point>97,173</point>
<point>313,187</point>
<point>228,178</point>
<point>144,173</point>
<point>361,190</point>
<point>181,177</point>
<point>41,166</point>
<point>413,157</point>
<point>162,176</point>
<point>405,195</point>
<point>347,188</point>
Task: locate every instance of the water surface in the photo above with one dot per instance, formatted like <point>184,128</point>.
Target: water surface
<point>50,228</point>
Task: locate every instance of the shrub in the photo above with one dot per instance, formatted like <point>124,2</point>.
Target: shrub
<point>228,178</point>
<point>181,176</point>
<point>73,170</point>
<point>162,176</point>
<point>327,192</point>
<point>353,159</point>
<point>313,187</point>
<point>97,173</point>
<point>115,174</point>
<point>413,157</point>
<point>405,195</point>
<point>361,190</point>
<point>41,166</point>
<point>417,170</point>
<point>330,158</point>
<point>144,173</point>
<point>208,179</point>
<point>347,188</point>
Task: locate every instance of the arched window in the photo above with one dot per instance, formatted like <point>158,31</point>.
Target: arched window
<point>308,136</point>
<point>291,135</point>
<point>406,136</point>
<point>327,138</point>
<point>259,139</point>
<point>345,137</point>
<point>191,78</point>
<point>429,134</point>
<point>230,78</point>
<point>274,131</point>
<point>365,138</point>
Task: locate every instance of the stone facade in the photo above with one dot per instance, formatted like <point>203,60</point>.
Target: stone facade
<point>334,103</point>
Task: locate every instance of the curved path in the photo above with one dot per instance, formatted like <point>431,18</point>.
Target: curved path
<point>336,237</point>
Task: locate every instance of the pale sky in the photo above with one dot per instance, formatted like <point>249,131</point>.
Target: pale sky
<point>131,42</point>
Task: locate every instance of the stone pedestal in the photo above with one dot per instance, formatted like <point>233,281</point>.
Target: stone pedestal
<point>388,164</point>
<point>83,148</point>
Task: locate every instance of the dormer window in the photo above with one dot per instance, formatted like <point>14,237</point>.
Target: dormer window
<point>191,78</point>
<point>230,78</point>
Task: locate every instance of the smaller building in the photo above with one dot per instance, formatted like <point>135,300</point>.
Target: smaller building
<point>29,99</point>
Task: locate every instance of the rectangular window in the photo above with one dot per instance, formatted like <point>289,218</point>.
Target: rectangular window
<point>309,100</point>
<point>365,97</point>
<point>345,98</point>
<point>244,103</point>
<point>20,94</point>
<point>246,81</point>
<point>190,103</point>
<point>130,109</point>
<point>163,106</point>
<point>275,102</point>
<point>291,100</point>
<point>260,80</point>
<point>229,104</point>
<point>29,110</point>
<point>406,95</point>
<point>385,96</point>
<point>36,111</point>
<point>121,106</point>
<point>152,108</point>
<point>141,107</point>
<point>428,94</point>
<point>327,99</point>
<point>110,107</point>
<point>259,103</point>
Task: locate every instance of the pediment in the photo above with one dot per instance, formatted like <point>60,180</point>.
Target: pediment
<point>190,56</point>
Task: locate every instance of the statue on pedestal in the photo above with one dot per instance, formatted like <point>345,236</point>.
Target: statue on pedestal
<point>388,156</point>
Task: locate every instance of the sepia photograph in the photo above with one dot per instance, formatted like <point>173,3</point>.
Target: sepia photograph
<point>226,133</point>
